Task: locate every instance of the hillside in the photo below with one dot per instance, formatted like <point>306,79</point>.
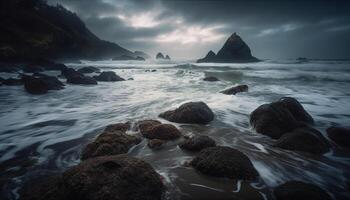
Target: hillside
<point>31,29</point>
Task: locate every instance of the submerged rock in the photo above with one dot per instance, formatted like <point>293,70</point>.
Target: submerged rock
<point>293,190</point>
<point>210,79</point>
<point>224,162</point>
<point>340,135</point>
<point>156,143</point>
<point>279,117</point>
<point>83,80</point>
<point>88,70</point>
<point>12,81</point>
<point>197,143</point>
<point>108,76</point>
<point>236,89</point>
<point>191,112</point>
<point>119,177</point>
<point>162,132</point>
<point>112,141</point>
<point>304,139</point>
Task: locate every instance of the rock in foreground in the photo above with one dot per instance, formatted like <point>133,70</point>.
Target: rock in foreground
<point>108,76</point>
<point>118,177</point>
<point>224,162</point>
<point>162,132</point>
<point>112,141</point>
<point>197,143</point>
<point>192,112</point>
<point>340,135</point>
<point>279,117</point>
<point>293,190</point>
<point>236,89</point>
<point>304,139</point>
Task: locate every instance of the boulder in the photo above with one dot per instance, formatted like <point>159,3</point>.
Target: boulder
<point>304,139</point>
<point>197,143</point>
<point>112,141</point>
<point>340,135</point>
<point>35,85</point>
<point>12,81</point>
<point>293,190</point>
<point>108,76</point>
<point>162,132</point>
<point>145,125</point>
<point>236,89</point>
<point>210,79</point>
<point>234,50</point>
<point>156,143</point>
<point>167,57</point>
<point>52,82</point>
<point>119,177</point>
<point>118,127</point>
<point>279,117</point>
<point>224,162</point>
<point>191,112</point>
<point>88,70</point>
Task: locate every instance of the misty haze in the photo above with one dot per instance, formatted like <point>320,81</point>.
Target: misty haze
<point>174,99</point>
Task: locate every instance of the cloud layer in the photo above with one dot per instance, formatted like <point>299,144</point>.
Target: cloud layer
<point>189,29</point>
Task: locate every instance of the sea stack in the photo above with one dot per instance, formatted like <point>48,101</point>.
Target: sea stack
<point>160,56</point>
<point>235,50</point>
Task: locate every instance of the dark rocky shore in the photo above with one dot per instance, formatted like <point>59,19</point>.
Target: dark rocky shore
<point>108,172</point>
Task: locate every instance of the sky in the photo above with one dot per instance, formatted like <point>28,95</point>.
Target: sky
<point>188,29</point>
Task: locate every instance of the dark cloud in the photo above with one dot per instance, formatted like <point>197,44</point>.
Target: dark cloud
<point>190,28</point>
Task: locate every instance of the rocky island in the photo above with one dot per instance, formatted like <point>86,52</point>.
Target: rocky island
<point>235,50</point>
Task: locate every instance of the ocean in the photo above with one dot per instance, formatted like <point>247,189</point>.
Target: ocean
<point>44,135</point>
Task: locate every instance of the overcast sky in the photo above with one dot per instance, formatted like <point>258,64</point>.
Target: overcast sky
<point>190,28</point>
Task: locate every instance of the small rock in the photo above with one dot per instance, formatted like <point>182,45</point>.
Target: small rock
<point>279,117</point>
<point>340,135</point>
<point>155,143</point>
<point>108,76</point>
<point>224,162</point>
<point>197,143</point>
<point>304,139</point>
<point>192,112</point>
<point>236,89</point>
<point>293,190</point>
<point>210,79</point>
<point>162,132</point>
<point>88,70</point>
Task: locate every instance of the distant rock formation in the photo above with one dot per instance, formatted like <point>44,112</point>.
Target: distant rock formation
<point>33,29</point>
<point>160,56</point>
<point>234,50</point>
